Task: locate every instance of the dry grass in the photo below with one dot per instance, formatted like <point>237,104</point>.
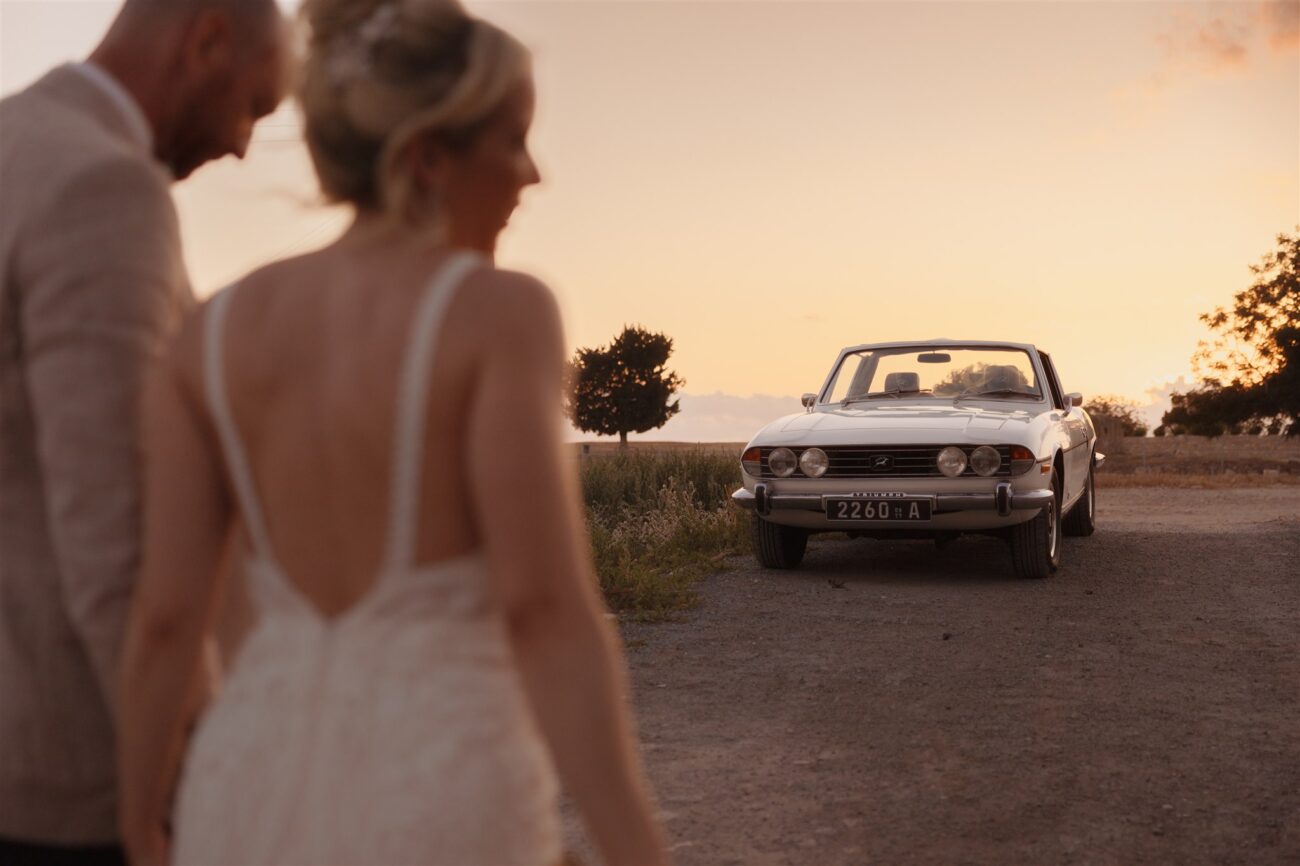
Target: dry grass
<point>660,521</point>
<point>612,449</point>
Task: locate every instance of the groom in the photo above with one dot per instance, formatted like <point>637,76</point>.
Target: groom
<point>91,285</point>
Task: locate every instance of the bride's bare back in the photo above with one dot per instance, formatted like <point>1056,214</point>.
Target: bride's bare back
<point>313,350</point>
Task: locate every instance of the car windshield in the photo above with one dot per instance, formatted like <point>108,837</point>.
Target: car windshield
<point>935,373</point>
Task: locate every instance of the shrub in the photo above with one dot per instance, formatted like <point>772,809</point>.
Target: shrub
<point>1116,412</point>
<point>658,523</point>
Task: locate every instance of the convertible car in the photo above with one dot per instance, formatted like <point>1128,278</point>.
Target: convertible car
<point>927,440</point>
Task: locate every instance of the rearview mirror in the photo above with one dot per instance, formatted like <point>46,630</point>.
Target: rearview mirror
<point>1074,398</point>
<point>808,400</point>
<point>933,358</point>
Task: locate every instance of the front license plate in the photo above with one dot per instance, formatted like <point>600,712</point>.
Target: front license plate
<point>862,508</point>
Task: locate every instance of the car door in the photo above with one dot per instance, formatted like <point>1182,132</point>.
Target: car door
<point>1078,433</point>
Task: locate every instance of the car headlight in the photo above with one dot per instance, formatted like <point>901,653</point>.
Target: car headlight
<point>752,462</point>
<point>781,462</point>
<point>985,460</point>
<point>814,462</point>
<point>952,461</point>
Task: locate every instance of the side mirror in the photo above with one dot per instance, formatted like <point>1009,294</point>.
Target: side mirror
<point>808,400</point>
<point>1074,398</point>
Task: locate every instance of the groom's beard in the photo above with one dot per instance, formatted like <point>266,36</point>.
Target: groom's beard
<point>195,134</point>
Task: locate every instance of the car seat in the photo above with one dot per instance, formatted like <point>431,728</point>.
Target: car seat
<point>903,382</point>
<point>1004,377</point>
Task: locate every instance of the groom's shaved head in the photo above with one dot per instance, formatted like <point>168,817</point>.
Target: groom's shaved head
<point>253,20</point>
<point>180,7</point>
<point>203,71</point>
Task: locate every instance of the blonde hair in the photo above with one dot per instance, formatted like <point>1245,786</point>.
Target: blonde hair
<point>380,73</point>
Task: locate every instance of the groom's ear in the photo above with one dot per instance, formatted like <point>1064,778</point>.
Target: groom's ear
<point>207,43</point>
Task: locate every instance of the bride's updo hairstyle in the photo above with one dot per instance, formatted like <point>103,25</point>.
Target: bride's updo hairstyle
<point>379,74</point>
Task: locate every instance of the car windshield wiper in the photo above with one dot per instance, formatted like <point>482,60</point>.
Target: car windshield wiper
<point>1000,392</point>
<point>895,393</point>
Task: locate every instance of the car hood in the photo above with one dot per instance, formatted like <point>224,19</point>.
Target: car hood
<point>865,423</point>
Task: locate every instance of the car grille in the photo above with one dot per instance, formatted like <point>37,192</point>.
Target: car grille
<point>906,461</point>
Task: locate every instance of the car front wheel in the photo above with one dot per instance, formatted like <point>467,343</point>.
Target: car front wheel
<point>1036,544</point>
<point>777,546</point>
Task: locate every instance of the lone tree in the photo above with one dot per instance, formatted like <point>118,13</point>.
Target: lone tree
<point>1252,369</point>
<point>623,387</point>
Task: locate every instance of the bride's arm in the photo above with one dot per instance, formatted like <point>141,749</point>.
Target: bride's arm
<point>186,517</point>
<point>528,509</point>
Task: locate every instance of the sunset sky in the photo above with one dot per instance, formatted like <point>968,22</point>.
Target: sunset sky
<point>769,181</point>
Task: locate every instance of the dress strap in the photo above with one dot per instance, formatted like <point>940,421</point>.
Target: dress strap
<point>412,409</point>
<point>214,380</point>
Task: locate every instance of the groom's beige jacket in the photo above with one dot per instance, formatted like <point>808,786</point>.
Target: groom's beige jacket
<point>91,284</point>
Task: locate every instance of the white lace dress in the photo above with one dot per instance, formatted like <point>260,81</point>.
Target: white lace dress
<point>395,733</point>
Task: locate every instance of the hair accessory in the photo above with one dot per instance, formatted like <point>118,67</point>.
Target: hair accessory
<point>352,53</point>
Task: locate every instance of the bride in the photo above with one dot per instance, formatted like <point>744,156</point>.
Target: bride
<point>379,421</point>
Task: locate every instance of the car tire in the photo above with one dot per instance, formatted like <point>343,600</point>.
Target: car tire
<point>1036,544</point>
<point>1082,519</point>
<point>777,546</point>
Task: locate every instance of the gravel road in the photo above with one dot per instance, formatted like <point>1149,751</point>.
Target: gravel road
<point>1141,706</point>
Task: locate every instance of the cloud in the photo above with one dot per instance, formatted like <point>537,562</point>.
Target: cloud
<point>1221,44</point>
<point>1209,40</point>
<point>1159,400</point>
<point>1212,46</point>
<point>1231,36</point>
<point>1281,23</point>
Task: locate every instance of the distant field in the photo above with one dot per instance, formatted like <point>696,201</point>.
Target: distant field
<point>1191,479</point>
<point>1222,457</point>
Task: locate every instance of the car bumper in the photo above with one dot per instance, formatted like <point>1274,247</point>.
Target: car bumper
<point>1002,501</point>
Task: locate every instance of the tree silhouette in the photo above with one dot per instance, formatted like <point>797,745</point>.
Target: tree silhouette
<point>962,379</point>
<point>624,387</point>
<point>1252,369</point>
<point>1123,412</point>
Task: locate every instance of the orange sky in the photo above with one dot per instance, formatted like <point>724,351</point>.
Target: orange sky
<point>767,182</point>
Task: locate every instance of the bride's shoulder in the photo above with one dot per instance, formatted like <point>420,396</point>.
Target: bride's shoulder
<point>511,298</point>
<point>503,283</point>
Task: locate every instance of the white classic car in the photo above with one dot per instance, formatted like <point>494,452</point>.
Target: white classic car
<point>927,440</point>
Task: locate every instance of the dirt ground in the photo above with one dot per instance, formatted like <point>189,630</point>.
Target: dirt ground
<point>1141,706</point>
